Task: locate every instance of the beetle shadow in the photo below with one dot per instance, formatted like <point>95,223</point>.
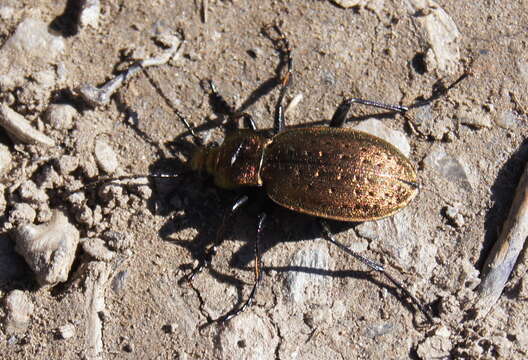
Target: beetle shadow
<point>502,194</point>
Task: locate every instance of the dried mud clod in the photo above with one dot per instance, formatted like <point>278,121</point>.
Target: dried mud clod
<point>48,249</point>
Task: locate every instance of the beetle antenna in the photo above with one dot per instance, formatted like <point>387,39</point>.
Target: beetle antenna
<point>196,139</point>
<point>116,179</point>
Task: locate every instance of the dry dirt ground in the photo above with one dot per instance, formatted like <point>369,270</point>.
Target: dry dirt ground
<point>315,302</point>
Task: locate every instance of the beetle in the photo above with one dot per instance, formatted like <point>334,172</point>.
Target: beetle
<point>328,172</point>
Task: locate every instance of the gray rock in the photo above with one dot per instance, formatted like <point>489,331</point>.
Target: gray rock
<point>380,329</point>
<point>474,117</point>
<point>348,3</point>
<point>18,309</point>
<point>5,159</point>
<point>20,129</point>
<point>508,120</point>
<point>31,44</point>
<point>368,230</point>
<point>60,116</point>
<point>377,128</point>
<point>303,282</point>
<point>119,281</point>
<point>105,157</point>
<point>48,249</point>
<point>440,32</point>
<point>428,124</point>
<point>447,166</point>
<point>118,241</point>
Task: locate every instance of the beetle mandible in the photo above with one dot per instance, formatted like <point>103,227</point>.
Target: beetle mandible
<point>327,172</point>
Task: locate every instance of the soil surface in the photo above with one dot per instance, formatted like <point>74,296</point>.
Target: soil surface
<point>130,300</point>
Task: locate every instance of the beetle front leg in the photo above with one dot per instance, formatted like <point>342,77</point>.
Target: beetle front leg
<point>258,274</point>
<point>374,266</point>
<point>224,108</point>
<point>220,237</point>
<point>339,118</point>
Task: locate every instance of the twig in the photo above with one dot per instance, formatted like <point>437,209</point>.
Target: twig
<point>95,96</point>
<point>503,256</point>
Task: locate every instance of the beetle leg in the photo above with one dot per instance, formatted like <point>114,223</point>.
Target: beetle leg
<point>258,273</point>
<point>223,107</point>
<point>220,236</point>
<point>283,45</point>
<point>375,266</point>
<point>339,118</point>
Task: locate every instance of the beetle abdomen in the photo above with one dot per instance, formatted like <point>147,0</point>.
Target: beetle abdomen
<point>337,173</point>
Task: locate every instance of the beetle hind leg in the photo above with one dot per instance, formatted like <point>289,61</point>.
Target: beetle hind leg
<point>374,266</point>
<point>339,118</point>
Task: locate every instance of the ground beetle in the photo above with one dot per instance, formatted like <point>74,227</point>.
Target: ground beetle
<point>327,172</point>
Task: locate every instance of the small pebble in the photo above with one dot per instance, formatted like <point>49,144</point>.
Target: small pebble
<point>474,117</point>
<point>119,281</point>
<point>85,215</point>
<point>105,157</point>
<point>117,240</point>
<point>5,159</point>
<point>18,309</point>
<point>89,14</point>
<point>128,348</point>
<point>454,216</point>
<point>435,346</point>
<point>447,166</point>
<point>60,116</point>
<point>66,331</point>
<point>29,192</point>
<point>22,213</point>
<point>67,164</point>
<point>507,119</point>
<point>46,79</point>
<point>376,330</point>
<point>368,230</point>
<point>348,3</point>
